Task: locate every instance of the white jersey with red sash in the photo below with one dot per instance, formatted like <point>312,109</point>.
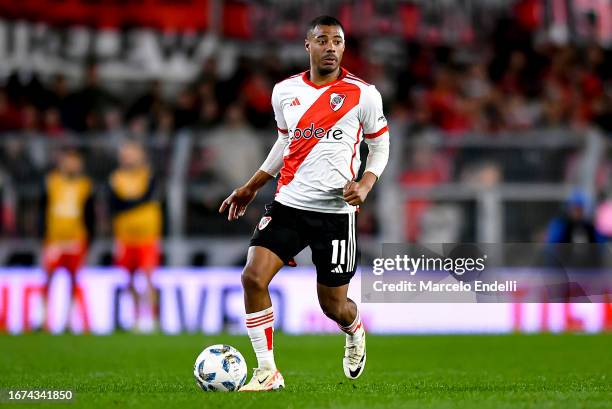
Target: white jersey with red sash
<point>324,126</point>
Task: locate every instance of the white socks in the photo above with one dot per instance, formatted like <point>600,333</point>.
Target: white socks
<point>260,328</point>
<point>355,329</point>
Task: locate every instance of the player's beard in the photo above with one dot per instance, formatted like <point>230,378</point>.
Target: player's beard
<point>326,70</point>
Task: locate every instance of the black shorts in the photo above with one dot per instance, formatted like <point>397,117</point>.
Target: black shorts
<point>331,236</point>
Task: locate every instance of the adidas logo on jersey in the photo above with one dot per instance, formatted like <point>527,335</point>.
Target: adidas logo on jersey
<point>338,270</point>
<point>295,102</point>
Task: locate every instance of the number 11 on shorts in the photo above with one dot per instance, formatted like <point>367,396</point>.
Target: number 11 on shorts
<point>338,246</point>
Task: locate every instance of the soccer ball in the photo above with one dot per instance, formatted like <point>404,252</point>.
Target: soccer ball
<point>220,368</point>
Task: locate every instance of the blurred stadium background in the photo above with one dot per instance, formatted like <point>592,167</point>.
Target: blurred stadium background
<point>500,114</point>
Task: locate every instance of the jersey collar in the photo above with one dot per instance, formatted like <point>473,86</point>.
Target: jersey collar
<point>306,78</point>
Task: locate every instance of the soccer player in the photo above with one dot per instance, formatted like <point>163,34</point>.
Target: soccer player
<point>137,224</point>
<point>67,223</point>
<point>322,115</point>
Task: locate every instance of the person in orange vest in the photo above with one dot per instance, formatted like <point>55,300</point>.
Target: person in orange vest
<point>137,225</point>
<point>67,223</point>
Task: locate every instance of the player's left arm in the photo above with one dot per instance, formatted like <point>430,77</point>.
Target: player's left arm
<point>42,209</point>
<point>376,134</point>
<point>89,215</point>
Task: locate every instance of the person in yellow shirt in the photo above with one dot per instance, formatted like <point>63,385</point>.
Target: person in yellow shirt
<point>137,224</point>
<point>67,224</point>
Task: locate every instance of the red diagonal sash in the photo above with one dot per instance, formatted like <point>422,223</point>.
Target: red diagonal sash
<point>321,115</point>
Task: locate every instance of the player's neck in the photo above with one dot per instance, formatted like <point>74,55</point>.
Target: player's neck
<point>319,79</point>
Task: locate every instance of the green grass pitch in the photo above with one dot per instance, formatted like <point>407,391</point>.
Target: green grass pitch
<point>140,371</point>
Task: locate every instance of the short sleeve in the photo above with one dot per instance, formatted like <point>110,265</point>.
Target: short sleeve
<point>372,117</point>
<point>281,125</point>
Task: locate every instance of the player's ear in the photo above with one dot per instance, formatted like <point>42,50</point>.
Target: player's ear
<point>307,45</point>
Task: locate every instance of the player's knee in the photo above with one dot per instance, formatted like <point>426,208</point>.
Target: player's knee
<point>252,280</point>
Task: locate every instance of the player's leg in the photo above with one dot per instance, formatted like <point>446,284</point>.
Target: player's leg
<point>124,258</point>
<point>151,301</point>
<point>45,299</point>
<point>261,266</point>
<point>73,263</point>
<point>149,261</point>
<point>135,298</point>
<point>50,264</point>
<point>146,304</point>
<point>338,307</point>
<point>276,240</point>
<point>67,261</point>
<point>73,297</point>
<point>335,255</point>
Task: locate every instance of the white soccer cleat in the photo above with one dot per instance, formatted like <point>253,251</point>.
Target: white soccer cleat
<point>354,355</point>
<point>264,380</point>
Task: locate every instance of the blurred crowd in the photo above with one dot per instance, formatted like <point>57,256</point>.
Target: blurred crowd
<point>509,81</point>
<point>511,89</point>
<point>56,109</point>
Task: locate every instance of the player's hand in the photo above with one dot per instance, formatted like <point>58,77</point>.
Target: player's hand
<point>238,202</point>
<point>355,193</point>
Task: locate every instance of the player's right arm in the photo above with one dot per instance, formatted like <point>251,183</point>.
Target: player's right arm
<point>376,134</point>
<point>244,195</point>
<point>89,215</point>
<point>42,209</point>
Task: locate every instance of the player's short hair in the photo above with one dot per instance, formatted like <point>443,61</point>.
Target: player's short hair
<point>323,21</point>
